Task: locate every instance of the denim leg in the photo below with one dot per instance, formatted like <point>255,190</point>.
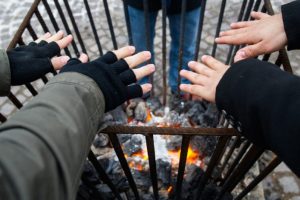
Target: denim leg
<point>190,34</point>
<point>137,23</point>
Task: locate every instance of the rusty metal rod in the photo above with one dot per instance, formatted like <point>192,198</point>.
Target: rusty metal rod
<point>117,129</point>
<point>266,57</point>
<point>23,25</point>
<point>182,162</point>
<point>75,27</point>
<point>164,49</point>
<point>245,18</point>
<point>237,159</point>
<point>242,10</point>
<point>14,100</point>
<point>152,164</point>
<point>102,174</point>
<point>243,167</point>
<point>235,142</point>
<point>35,37</point>
<point>41,20</point>
<point>110,25</point>
<point>128,25</point>
<point>31,32</point>
<point>181,44</point>
<point>274,163</point>
<point>2,118</point>
<point>65,23</point>
<point>51,16</point>
<point>120,154</point>
<point>200,27</point>
<point>93,27</point>
<point>147,34</point>
<point>215,158</point>
<point>220,20</point>
<point>54,23</point>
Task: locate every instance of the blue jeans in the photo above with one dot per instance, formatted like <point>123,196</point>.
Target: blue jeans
<point>136,17</point>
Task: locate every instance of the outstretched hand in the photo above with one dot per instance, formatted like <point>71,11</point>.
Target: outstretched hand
<point>114,74</point>
<point>266,34</point>
<point>32,61</point>
<point>205,77</point>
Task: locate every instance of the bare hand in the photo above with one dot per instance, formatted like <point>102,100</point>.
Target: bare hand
<point>205,78</point>
<point>264,35</point>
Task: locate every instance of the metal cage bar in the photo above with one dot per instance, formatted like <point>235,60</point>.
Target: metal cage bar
<point>87,7</point>
<point>102,174</point>
<point>65,23</point>
<point>120,154</point>
<point>152,164</point>
<point>182,163</point>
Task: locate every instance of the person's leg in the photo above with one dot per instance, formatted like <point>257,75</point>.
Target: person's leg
<point>190,34</point>
<point>137,23</point>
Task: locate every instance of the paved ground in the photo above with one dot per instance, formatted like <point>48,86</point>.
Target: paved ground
<point>281,184</point>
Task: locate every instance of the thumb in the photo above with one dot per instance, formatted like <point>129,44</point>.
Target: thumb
<point>249,51</point>
<point>59,62</point>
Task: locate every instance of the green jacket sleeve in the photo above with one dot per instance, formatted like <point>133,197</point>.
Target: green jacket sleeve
<point>44,145</point>
<point>5,76</point>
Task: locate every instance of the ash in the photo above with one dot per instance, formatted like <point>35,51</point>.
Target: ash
<point>138,112</point>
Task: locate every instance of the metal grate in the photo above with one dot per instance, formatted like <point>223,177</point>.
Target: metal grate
<point>245,155</point>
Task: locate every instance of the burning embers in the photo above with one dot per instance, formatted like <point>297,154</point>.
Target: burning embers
<point>167,148</point>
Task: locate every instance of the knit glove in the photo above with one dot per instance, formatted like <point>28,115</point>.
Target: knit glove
<point>32,61</point>
<point>111,75</point>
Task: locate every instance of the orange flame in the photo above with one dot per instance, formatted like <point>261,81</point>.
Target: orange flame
<point>149,117</point>
<point>192,157</point>
<point>138,166</point>
<point>170,188</point>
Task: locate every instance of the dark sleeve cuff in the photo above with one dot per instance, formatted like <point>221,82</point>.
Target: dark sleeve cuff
<point>5,74</point>
<point>291,21</point>
<point>237,92</point>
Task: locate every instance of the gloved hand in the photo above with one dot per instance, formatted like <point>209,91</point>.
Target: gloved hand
<point>30,62</point>
<point>115,77</point>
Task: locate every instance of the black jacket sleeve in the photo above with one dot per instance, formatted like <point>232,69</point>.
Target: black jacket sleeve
<point>265,102</point>
<point>291,21</point>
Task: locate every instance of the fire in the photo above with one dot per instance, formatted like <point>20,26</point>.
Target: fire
<point>192,157</point>
<point>149,117</point>
<point>170,188</point>
<point>141,157</point>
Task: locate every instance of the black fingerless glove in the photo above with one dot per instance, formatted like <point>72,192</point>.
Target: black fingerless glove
<point>30,62</point>
<point>112,77</point>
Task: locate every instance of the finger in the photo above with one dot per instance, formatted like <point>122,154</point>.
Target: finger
<point>242,24</point>
<point>134,91</point>
<point>124,52</point>
<point>72,61</point>
<point>249,52</point>
<point>64,42</point>
<point>194,77</point>
<point>233,32</point>
<point>84,58</point>
<point>192,89</point>
<point>43,37</point>
<point>259,15</point>
<point>146,88</point>
<point>200,68</point>
<point>144,71</point>
<point>128,77</point>
<point>234,39</point>
<point>59,62</point>
<point>138,58</point>
<point>212,62</point>
<point>108,58</point>
<point>57,36</point>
